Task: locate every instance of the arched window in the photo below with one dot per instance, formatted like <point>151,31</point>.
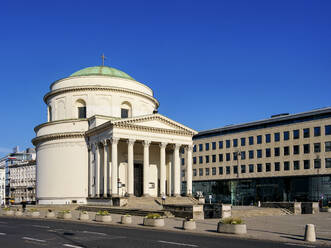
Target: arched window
<point>81,108</point>
<point>49,113</point>
<point>126,110</point>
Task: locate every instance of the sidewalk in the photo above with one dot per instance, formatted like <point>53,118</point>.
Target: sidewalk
<point>289,228</point>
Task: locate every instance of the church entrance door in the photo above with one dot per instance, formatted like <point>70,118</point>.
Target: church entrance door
<point>138,179</point>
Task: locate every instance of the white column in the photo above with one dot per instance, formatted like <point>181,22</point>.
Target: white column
<point>105,163</point>
<point>130,180</point>
<point>163,168</point>
<point>114,167</point>
<point>176,170</point>
<point>170,164</point>
<point>189,171</point>
<point>91,147</point>
<point>97,171</point>
<point>146,167</point>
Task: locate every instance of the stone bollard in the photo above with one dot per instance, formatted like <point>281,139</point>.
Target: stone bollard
<point>310,233</point>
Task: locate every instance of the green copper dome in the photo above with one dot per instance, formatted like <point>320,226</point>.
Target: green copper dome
<point>101,70</point>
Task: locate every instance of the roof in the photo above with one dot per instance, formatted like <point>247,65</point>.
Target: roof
<point>101,71</point>
<point>273,121</point>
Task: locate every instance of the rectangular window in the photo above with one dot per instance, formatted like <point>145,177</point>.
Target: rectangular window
<point>251,140</point>
<point>194,148</point>
<point>259,167</point>
<point>267,167</point>
<point>317,131</point>
<point>317,163</point>
<point>251,154</point>
<point>228,170</point>
<point>207,146</point>
<point>207,171</point>
<point>306,133</point>
<point>82,112</point>
<point>235,156</point>
<point>267,138</point>
<point>243,168</point>
<point>194,172</point>
<point>200,148</point>
<point>296,134</point>
<point>207,158</point>
<point>259,139</point>
<point>183,173</point>
<point>296,165</point>
<point>213,145</point>
<point>268,152</point>
<point>183,161</point>
<point>317,147</point>
<point>306,164</point>
<point>200,172</point>
<point>243,155</point>
<point>235,142</point>
<point>228,144</point>
<point>277,166</point>
<point>286,150</point>
<point>306,148</point>
<point>277,137</point>
<point>296,149</point>
<point>243,141</point>
<point>220,144</point>
<point>220,157</point>
<point>286,135</point>
<point>228,157</point>
<point>200,159</point>
<point>286,166</point>
<point>328,163</point>
<point>214,158</point>
<point>220,170</point>
<point>277,151</point>
<point>124,113</point>
<point>235,169</point>
<point>213,171</point>
<point>194,160</point>
<point>251,168</point>
<point>259,153</point>
<point>328,146</point>
<point>327,129</point>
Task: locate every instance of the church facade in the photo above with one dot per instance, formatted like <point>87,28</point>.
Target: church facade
<point>104,138</point>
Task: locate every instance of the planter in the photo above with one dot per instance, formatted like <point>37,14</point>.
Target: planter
<point>18,213</point>
<point>9,212</point>
<point>35,214</point>
<point>65,216</point>
<point>50,215</point>
<point>158,222</point>
<point>189,225</point>
<point>126,219</point>
<point>325,210</point>
<point>84,216</point>
<point>103,218</point>
<point>231,228</point>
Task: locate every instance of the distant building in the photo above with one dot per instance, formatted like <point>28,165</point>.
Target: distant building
<point>2,185</point>
<point>283,158</point>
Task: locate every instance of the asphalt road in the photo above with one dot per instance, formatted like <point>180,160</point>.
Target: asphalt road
<point>19,232</point>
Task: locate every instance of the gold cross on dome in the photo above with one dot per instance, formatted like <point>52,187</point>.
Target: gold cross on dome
<point>103,59</point>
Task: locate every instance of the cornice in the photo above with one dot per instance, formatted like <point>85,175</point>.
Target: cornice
<point>56,136</point>
<point>100,88</point>
<point>50,123</point>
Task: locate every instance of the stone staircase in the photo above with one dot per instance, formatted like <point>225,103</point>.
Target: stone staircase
<point>255,211</point>
<point>177,201</point>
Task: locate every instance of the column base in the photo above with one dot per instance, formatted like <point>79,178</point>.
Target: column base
<point>114,195</point>
<point>189,194</point>
<point>176,195</point>
<point>146,195</point>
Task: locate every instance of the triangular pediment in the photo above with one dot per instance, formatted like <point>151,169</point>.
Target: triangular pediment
<point>153,122</point>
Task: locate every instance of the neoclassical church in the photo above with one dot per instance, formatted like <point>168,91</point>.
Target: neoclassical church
<point>104,138</point>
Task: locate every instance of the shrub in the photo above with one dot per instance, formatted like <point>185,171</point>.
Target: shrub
<point>232,221</point>
<point>326,207</point>
<point>103,213</point>
<point>65,212</point>
<point>33,210</point>
<point>84,212</point>
<point>6,209</point>
<point>153,216</point>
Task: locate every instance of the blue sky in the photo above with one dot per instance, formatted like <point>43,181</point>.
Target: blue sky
<point>210,63</point>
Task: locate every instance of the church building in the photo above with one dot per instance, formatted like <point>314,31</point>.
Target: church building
<point>105,139</point>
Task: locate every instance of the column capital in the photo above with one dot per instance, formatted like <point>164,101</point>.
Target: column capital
<point>131,141</point>
<point>96,145</point>
<point>176,146</point>
<point>89,146</point>
<point>189,148</point>
<point>104,142</point>
<point>163,144</point>
<point>146,143</point>
<point>114,141</point>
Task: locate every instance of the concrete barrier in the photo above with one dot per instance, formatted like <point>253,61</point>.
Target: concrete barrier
<point>294,207</point>
<point>309,207</point>
<point>310,234</point>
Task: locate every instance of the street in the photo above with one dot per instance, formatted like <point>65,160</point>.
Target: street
<point>18,232</point>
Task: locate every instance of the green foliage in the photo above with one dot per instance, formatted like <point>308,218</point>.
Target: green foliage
<point>84,212</point>
<point>65,212</point>
<point>154,216</point>
<point>7,209</point>
<point>232,221</point>
<point>103,213</point>
<point>326,207</point>
<point>33,210</point>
